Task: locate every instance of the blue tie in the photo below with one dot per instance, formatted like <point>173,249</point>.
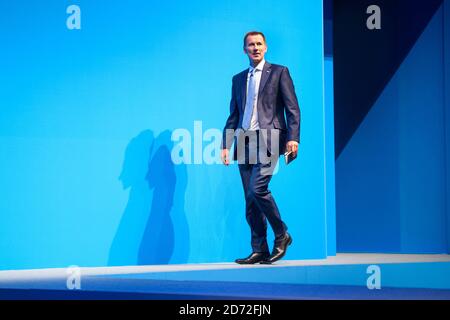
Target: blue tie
<point>251,95</point>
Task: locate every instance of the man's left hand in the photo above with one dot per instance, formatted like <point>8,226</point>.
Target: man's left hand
<point>292,146</point>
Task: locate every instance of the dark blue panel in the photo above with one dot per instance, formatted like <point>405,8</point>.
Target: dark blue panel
<point>365,60</point>
<point>446,38</point>
<point>391,176</point>
<point>328,27</point>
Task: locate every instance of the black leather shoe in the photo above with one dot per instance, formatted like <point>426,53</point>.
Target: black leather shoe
<point>279,249</point>
<point>253,258</point>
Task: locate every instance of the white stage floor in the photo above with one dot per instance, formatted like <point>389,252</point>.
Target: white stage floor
<point>342,276</point>
<point>339,259</point>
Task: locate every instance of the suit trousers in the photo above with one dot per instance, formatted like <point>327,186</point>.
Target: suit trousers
<point>260,205</point>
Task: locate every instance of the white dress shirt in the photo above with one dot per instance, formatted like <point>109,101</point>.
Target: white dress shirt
<point>254,124</point>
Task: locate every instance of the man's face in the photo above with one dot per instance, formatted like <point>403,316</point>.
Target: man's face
<point>255,48</point>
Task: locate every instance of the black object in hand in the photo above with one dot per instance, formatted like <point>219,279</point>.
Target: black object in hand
<point>289,156</point>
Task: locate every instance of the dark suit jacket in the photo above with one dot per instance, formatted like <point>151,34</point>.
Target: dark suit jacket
<point>277,105</point>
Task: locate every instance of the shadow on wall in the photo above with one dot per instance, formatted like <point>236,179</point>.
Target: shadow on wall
<point>153,228</point>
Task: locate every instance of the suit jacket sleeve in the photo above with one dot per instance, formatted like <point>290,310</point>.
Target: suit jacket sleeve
<point>232,121</point>
<point>291,106</point>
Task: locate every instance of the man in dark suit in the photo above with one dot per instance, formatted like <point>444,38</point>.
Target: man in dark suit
<point>264,122</point>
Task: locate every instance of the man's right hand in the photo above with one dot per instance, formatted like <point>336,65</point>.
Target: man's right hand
<point>225,156</point>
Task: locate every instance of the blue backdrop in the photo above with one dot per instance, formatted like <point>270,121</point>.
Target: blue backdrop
<point>86,118</point>
<point>392,177</point>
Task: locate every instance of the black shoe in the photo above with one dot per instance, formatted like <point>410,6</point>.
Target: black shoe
<point>279,249</point>
<point>253,258</point>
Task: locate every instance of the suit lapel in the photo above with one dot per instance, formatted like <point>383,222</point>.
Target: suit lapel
<point>264,77</point>
<point>244,89</point>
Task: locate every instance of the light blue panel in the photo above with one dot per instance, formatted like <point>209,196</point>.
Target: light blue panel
<point>86,118</point>
<point>52,212</point>
<point>392,198</point>
<point>300,188</point>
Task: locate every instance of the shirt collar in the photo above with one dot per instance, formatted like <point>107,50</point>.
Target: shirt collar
<point>259,67</point>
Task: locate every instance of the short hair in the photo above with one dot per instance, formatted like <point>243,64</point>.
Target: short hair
<point>253,33</point>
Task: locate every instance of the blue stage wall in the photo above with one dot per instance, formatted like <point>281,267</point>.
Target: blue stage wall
<point>330,183</point>
<point>86,118</point>
<point>446,43</point>
<point>392,176</point>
